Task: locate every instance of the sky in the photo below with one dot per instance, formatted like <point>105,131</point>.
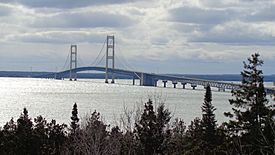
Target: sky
<point>159,36</point>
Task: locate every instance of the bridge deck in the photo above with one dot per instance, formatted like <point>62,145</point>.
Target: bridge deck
<point>151,78</point>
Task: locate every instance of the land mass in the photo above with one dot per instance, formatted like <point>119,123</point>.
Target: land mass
<point>216,77</point>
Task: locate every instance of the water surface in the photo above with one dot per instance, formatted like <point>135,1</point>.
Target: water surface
<point>54,99</point>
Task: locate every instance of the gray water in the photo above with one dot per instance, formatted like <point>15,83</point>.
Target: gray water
<point>54,99</point>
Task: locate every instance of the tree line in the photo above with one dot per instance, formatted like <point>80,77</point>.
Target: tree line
<point>249,131</point>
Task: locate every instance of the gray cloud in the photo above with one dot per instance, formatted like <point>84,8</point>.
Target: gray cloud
<point>200,16</point>
<point>5,11</point>
<point>264,14</point>
<point>240,25</point>
<point>59,37</point>
<point>64,3</point>
<point>237,33</point>
<point>236,39</point>
<point>83,20</point>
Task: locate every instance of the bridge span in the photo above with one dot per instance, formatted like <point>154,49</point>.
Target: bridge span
<point>146,79</point>
<point>151,79</point>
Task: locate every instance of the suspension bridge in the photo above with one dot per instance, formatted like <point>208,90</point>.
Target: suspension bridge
<point>146,79</point>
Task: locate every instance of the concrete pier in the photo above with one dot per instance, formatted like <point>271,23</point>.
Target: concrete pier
<point>164,83</point>
<point>193,86</point>
<point>134,81</point>
<point>175,84</point>
<point>183,85</point>
<point>155,83</point>
<point>147,80</point>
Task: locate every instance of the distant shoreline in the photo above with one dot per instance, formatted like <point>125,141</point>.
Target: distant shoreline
<point>216,77</point>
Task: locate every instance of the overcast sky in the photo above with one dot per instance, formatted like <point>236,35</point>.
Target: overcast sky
<point>161,36</point>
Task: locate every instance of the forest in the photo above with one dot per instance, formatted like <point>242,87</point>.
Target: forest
<point>249,131</point>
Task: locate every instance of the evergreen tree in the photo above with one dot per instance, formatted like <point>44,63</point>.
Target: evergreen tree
<point>195,144</point>
<point>146,129</point>
<point>150,130</point>
<point>75,119</point>
<point>24,134</point>
<point>162,119</point>
<point>8,140</point>
<point>209,126</point>
<point>39,136</point>
<point>251,108</point>
<point>56,136</point>
<point>177,140</point>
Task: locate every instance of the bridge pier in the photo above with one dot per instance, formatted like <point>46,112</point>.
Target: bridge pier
<point>175,84</point>
<point>183,85</point>
<point>164,83</point>
<point>134,80</point>
<point>193,86</point>
<point>107,79</point>
<point>146,80</point>
<point>155,83</point>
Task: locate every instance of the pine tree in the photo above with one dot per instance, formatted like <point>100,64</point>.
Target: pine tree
<point>195,144</point>
<point>162,119</point>
<point>251,108</point>
<point>8,139</point>
<point>75,119</point>
<point>150,130</point>
<point>209,126</point>
<point>146,129</point>
<point>24,134</point>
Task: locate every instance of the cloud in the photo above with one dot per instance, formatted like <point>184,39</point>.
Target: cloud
<point>197,31</point>
<point>197,15</point>
<point>58,37</point>
<point>226,22</point>
<point>236,32</point>
<point>5,10</point>
<point>82,20</point>
<point>65,4</point>
<point>263,14</point>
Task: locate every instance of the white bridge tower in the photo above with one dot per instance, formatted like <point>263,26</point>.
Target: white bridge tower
<point>110,55</point>
<point>73,62</point>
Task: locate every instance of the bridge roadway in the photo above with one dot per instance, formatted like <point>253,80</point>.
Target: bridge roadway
<point>150,79</point>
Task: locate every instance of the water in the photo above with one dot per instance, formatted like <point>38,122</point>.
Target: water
<point>54,99</point>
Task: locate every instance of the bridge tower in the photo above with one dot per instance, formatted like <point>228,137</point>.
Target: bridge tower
<point>110,55</point>
<point>73,62</point>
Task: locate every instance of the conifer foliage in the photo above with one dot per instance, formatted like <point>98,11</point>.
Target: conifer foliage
<point>28,137</point>
<point>150,128</point>
<point>251,108</point>
<point>202,134</point>
<point>208,123</point>
<point>75,119</point>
